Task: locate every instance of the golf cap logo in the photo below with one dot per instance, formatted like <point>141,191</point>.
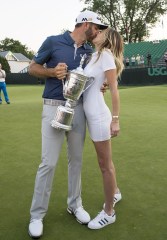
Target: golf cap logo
<point>87,19</point>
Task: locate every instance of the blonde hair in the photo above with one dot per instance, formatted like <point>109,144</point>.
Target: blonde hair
<point>114,42</point>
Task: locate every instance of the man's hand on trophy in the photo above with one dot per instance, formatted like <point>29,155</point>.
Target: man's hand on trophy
<point>60,71</point>
<point>104,87</point>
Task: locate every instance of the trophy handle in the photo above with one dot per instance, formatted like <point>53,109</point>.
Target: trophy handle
<point>64,82</point>
<point>91,80</point>
<point>63,85</point>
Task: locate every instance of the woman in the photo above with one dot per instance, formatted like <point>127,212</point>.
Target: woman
<point>3,85</point>
<point>106,64</point>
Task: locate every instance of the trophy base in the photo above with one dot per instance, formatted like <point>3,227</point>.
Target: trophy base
<point>60,126</point>
<point>63,118</point>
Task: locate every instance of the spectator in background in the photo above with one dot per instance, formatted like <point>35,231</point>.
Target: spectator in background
<point>165,58</point>
<point>149,62</point>
<point>133,60</point>
<point>142,61</point>
<point>127,62</point>
<point>138,59</point>
<point>3,85</point>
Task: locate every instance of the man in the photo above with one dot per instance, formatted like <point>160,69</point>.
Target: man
<point>138,59</point>
<point>3,85</point>
<point>149,63</point>
<point>133,60</point>
<point>59,53</point>
<point>165,58</point>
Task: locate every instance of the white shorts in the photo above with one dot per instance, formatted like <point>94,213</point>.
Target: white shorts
<point>99,128</point>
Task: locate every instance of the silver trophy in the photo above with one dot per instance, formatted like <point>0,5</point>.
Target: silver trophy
<point>73,87</point>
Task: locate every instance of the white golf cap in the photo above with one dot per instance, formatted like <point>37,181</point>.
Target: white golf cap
<point>89,16</point>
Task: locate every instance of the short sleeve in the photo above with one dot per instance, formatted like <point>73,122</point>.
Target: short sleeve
<point>107,60</point>
<point>44,52</point>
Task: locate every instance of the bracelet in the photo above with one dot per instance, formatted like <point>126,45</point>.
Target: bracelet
<point>115,117</point>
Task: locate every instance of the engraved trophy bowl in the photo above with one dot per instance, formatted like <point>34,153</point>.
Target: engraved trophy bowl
<point>74,86</point>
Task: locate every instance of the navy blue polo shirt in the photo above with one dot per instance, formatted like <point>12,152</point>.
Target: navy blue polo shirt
<point>59,49</point>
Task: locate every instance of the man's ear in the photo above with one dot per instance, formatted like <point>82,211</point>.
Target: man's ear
<point>86,25</point>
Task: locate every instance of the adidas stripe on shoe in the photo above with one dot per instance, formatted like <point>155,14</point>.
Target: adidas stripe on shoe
<point>102,220</point>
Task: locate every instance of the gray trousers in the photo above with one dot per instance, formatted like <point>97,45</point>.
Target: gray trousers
<point>52,140</point>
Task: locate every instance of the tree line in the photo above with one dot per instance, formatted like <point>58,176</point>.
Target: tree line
<point>15,46</point>
<point>133,19</point>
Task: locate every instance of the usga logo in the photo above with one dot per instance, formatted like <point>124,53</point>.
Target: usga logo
<point>157,71</point>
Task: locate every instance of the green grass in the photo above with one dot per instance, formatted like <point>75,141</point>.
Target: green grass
<point>139,154</point>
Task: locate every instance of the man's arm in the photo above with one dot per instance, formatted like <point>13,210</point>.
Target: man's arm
<point>37,70</point>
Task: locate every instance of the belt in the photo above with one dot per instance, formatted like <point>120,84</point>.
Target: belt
<point>53,102</point>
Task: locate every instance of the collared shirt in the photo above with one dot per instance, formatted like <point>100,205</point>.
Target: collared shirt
<point>2,75</point>
<point>59,49</point>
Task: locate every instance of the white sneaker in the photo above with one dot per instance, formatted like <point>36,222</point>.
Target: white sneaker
<point>81,215</point>
<point>102,220</point>
<point>35,228</point>
<point>117,198</point>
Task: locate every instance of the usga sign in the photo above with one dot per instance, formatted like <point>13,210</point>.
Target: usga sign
<point>157,71</point>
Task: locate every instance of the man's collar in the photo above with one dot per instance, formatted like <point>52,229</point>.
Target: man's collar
<point>71,41</point>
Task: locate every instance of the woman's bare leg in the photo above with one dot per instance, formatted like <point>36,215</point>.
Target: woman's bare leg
<point>104,155</point>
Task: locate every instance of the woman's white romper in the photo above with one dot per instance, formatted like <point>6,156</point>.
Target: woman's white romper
<point>97,112</point>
